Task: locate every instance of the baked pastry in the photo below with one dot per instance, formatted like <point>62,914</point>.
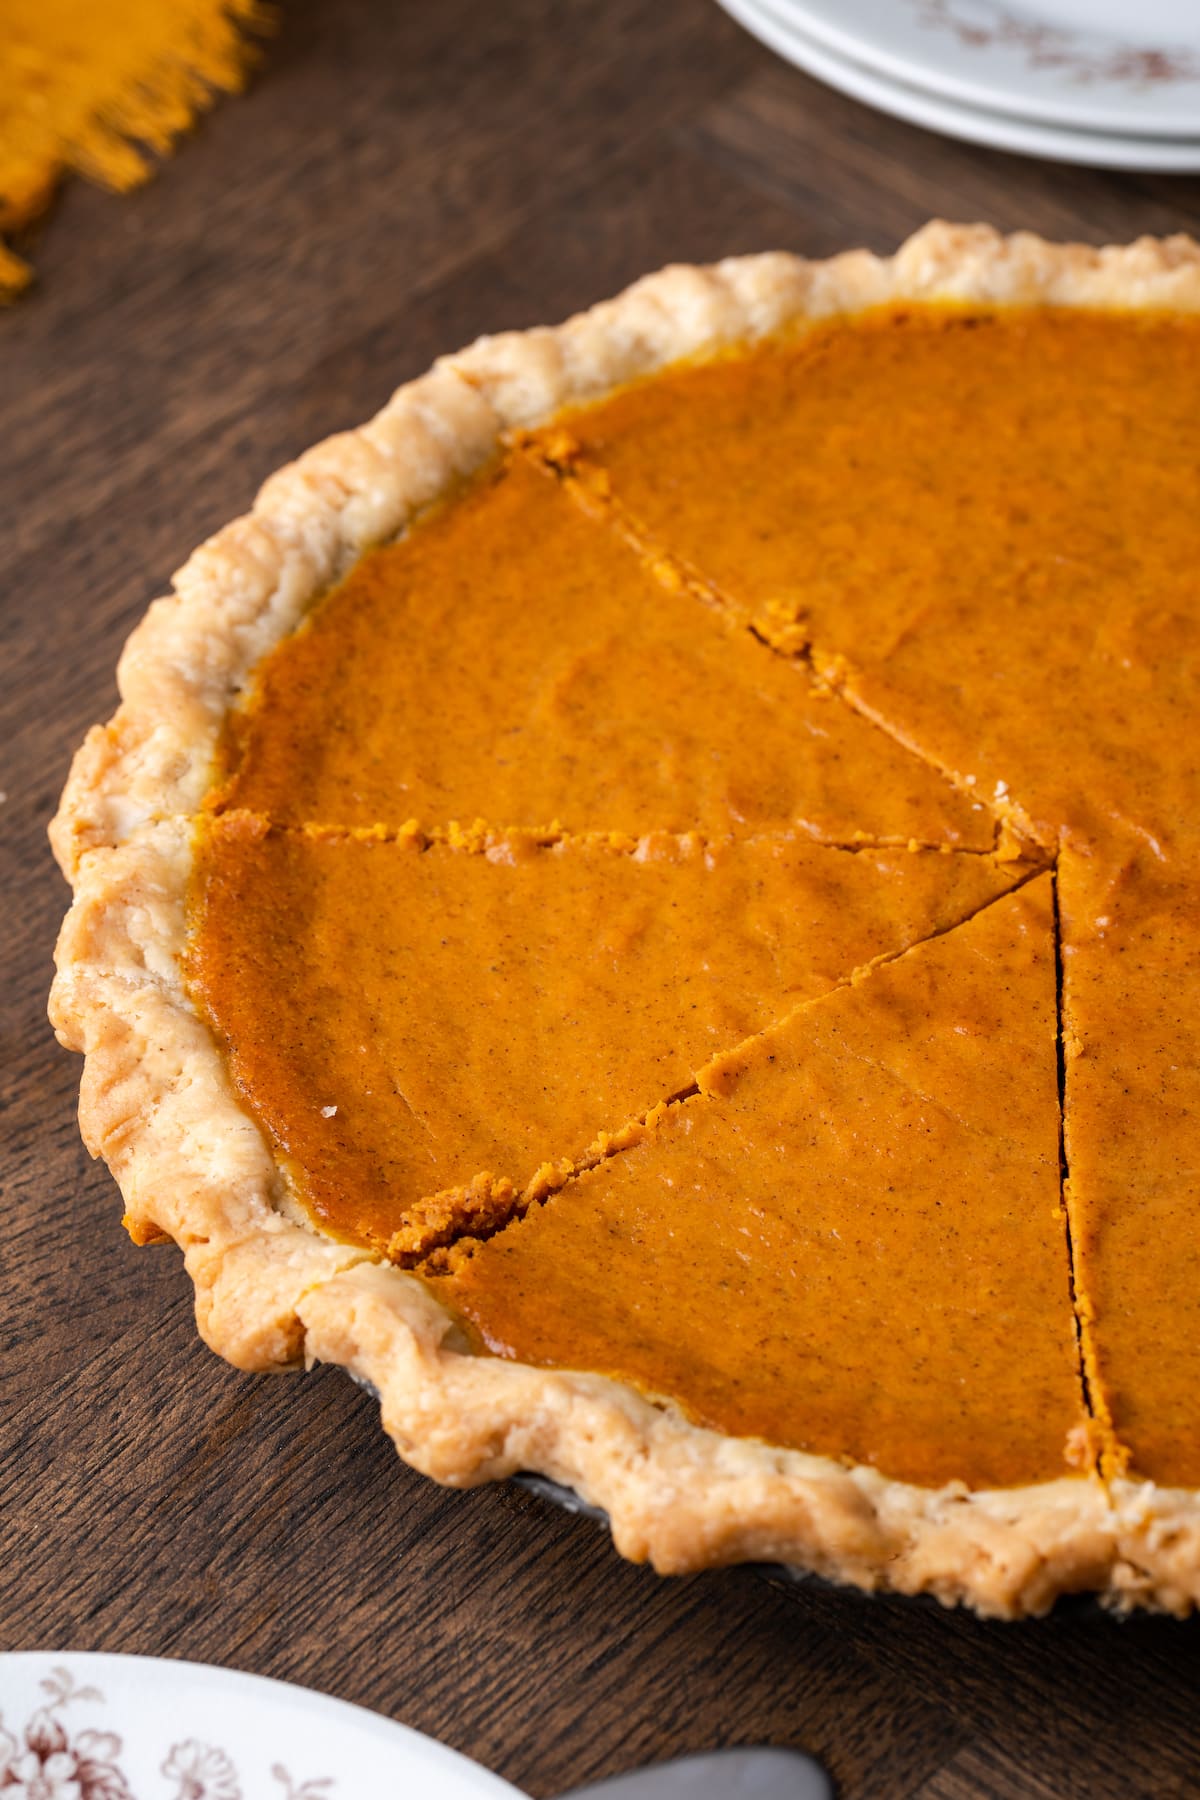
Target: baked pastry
<point>645,904</point>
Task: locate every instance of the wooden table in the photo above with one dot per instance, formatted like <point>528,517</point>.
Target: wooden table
<point>401,178</point>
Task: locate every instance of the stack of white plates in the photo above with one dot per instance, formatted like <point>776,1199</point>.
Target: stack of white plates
<point>1114,83</point>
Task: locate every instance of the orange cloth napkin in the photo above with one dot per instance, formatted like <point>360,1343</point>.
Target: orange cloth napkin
<point>104,87</point>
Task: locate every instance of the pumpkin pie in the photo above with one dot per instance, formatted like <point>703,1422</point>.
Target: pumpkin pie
<point>645,904</point>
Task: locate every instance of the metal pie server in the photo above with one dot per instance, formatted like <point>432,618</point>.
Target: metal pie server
<point>753,1774</point>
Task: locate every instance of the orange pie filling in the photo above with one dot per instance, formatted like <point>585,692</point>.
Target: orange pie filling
<point>849,1240</point>
<point>443,1012</point>
<point>512,660</point>
<point>606,911</point>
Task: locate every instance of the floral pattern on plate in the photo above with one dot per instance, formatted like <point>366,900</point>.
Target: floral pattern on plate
<point>1073,68</point>
<point>984,25</point>
<point>47,1762</point>
<point>95,1727</point>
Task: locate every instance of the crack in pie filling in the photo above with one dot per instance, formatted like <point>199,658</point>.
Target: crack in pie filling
<point>645,904</point>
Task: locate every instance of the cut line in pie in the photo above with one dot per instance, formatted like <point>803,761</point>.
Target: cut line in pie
<point>725,1234</point>
<point>489,1012</point>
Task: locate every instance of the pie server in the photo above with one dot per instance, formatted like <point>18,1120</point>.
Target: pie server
<point>755,1774</point>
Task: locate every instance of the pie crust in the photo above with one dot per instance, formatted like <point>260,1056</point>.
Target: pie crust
<point>158,1105</point>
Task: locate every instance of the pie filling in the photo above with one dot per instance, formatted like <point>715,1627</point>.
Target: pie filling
<point>657,897</point>
<point>512,660</point>
<point>445,1009</point>
<point>768,1248</point>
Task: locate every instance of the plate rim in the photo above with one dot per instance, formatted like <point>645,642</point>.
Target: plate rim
<point>995,131</point>
<point>812,19</point>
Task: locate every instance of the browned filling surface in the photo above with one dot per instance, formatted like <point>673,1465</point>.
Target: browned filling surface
<point>606,910</point>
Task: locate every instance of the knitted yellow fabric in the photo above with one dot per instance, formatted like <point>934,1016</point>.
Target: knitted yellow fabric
<point>104,86</point>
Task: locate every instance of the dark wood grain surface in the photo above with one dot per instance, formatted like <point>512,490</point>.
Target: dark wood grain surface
<point>402,177</point>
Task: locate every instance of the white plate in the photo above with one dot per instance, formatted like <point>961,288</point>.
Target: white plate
<point>977,126</point>
<point>1115,66</point>
<point>75,1727</point>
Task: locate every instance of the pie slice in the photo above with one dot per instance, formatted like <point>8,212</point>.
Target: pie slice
<point>603,888</point>
<point>1131,1015</point>
<point>408,1015</point>
<point>836,1244</point>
